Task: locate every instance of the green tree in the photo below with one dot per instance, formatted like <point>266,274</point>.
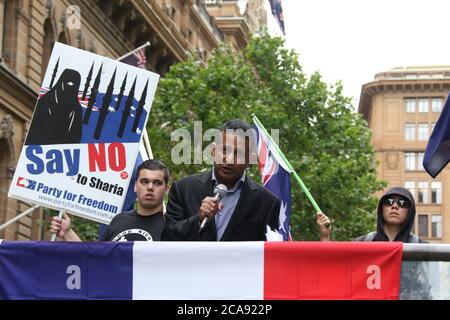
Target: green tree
<point>325,140</point>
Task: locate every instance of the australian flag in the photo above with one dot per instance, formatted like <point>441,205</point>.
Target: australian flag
<point>277,12</point>
<point>136,58</point>
<point>275,176</point>
<point>437,154</point>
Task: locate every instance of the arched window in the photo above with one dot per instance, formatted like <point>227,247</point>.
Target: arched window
<point>62,38</point>
<point>9,39</point>
<point>3,181</point>
<point>49,41</point>
<point>7,160</point>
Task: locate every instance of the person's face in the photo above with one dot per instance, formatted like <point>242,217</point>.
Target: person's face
<point>150,188</point>
<point>231,157</point>
<point>395,210</point>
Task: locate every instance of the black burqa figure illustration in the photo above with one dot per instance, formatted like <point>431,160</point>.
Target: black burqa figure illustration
<point>58,115</point>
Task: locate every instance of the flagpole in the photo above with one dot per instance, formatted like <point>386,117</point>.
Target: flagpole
<point>291,168</point>
<point>20,216</point>
<point>147,144</point>
<point>131,52</point>
<point>60,216</point>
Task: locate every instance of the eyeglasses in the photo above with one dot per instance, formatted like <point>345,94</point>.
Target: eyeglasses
<point>402,203</point>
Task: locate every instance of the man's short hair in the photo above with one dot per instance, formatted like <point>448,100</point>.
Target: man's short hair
<point>236,124</point>
<point>154,165</point>
<point>243,129</point>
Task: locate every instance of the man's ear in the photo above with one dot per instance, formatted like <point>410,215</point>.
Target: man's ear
<point>135,186</point>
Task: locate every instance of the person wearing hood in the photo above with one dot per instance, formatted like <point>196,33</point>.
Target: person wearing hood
<point>395,218</point>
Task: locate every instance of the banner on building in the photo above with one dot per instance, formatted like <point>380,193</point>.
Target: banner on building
<point>84,135</point>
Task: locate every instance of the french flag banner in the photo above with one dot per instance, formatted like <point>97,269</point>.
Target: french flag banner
<point>200,270</point>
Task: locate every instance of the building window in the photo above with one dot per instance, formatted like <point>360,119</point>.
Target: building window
<point>9,39</point>
<point>410,161</point>
<point>423,105</point>
<point>410,105</point>
<point>423,132</point>
<point>436,226</point>
<point>423,225</point>
<point>410,131</point>
<point>436,192</point>
<point>436,105</point>
<point>420,161</point>
<point>62,38</point>
<point>422,189</point>
<point>411,186</point>
<point>49,40</point>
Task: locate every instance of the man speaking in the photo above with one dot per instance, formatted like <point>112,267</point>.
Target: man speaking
<point>244,209</point>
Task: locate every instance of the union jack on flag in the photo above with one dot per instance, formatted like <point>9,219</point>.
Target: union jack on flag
<point>275,176</point>
<point>136,58</point>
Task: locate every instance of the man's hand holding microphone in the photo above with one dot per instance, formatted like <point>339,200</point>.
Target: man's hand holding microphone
<point>211,205</point>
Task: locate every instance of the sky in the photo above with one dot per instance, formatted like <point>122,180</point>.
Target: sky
<point>352,40</point>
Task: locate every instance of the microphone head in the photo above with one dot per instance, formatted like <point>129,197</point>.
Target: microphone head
<point>220,191</point>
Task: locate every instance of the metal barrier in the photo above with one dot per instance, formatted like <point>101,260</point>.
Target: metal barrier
<point>425,272</point>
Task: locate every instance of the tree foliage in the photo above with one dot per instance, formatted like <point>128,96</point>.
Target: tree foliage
<point>325,140</point>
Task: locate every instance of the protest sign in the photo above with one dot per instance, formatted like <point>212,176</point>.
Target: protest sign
<point>84,135</point>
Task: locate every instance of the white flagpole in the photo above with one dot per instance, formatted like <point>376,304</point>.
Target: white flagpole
<point>20,216</point>
<point>60,215</point>
<point>131,52</point>
<point>147,144</point>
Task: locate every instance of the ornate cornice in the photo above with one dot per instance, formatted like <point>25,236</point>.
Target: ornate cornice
<point>214,39</point>
<point>110,33</point>
<point>235,27</point>
<point>7,133</point>
<point>166,30</point>
<point>20,90</point>
<point>401,86</point>
<point>6,127</point>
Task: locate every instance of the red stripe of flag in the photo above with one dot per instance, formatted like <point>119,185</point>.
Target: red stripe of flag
<point>332,270</point>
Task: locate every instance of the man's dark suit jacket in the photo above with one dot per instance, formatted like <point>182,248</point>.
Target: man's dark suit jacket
<point>256,208</point>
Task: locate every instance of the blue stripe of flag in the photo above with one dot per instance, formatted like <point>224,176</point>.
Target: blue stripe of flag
<point>45,270</point>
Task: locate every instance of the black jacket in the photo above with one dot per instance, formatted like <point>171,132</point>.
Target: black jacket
<point>256,208</point>
<point>405,234</point>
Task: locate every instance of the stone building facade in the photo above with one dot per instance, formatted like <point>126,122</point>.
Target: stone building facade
<point>402,106</point>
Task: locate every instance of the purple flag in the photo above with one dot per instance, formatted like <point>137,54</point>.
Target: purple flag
<point>437,154</point>
<point>277,12</point>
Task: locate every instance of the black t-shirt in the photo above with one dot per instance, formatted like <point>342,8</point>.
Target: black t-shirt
<point>131,226</point>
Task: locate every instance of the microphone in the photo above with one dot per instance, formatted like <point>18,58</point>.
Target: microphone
<point>219,192</point>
